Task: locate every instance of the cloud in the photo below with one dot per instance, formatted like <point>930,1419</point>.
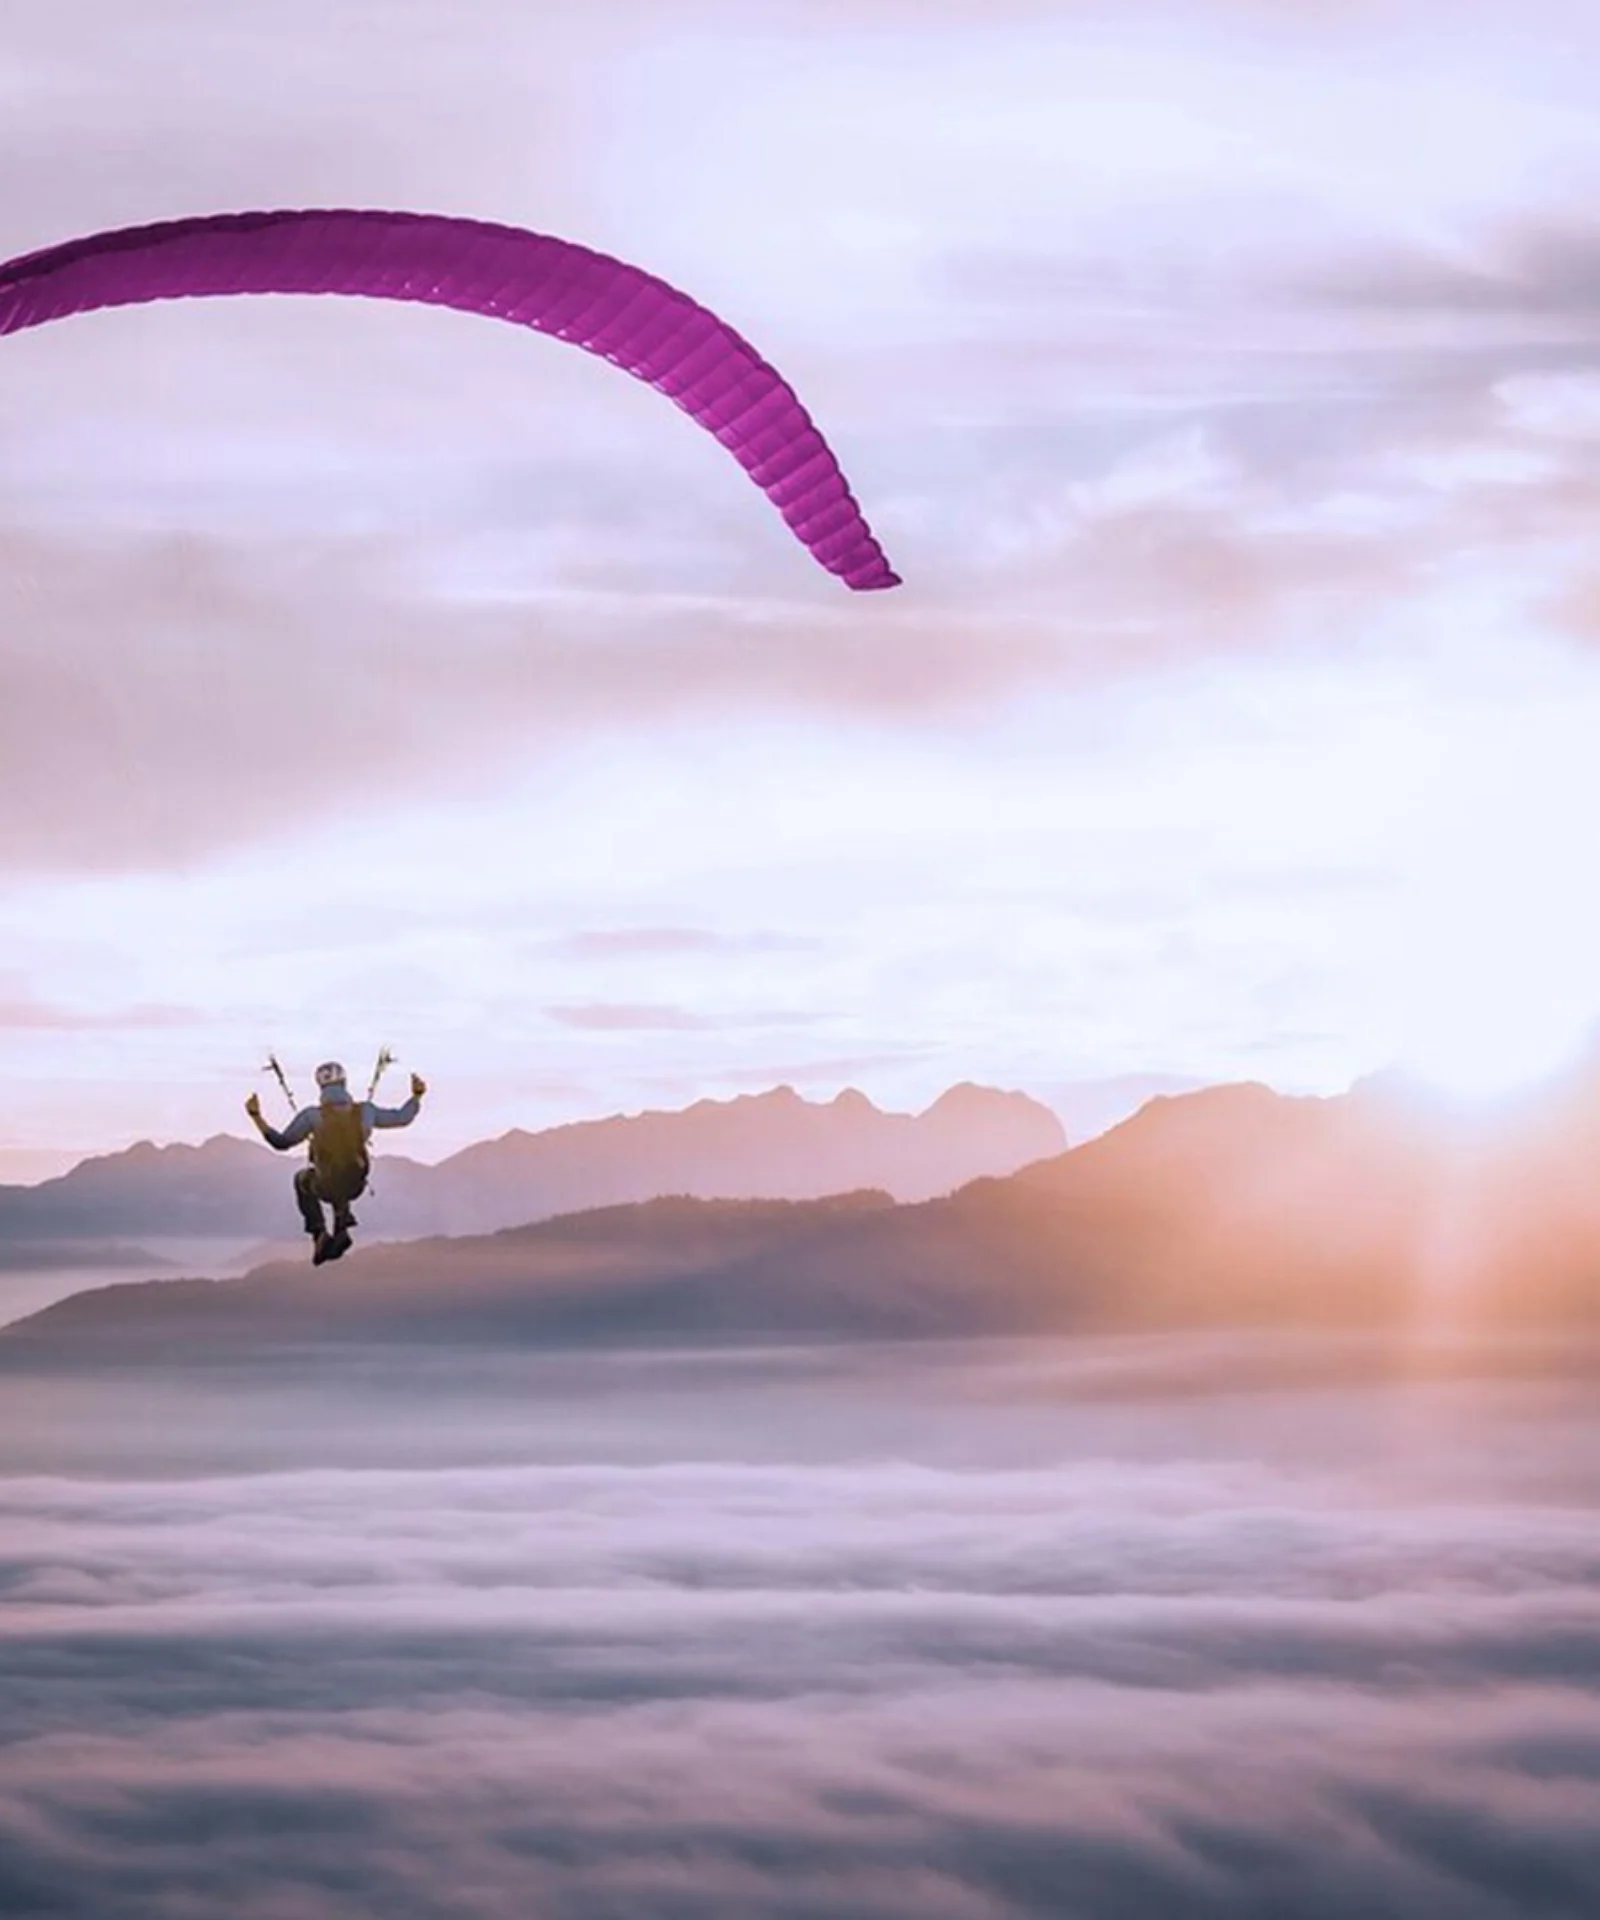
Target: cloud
<point>163,701</point>
<point>651,943</point>
<point>1240,1660</point>
<point>1265,356</point>
<point>600,1018</point>
<point>802,1073</point>
<point>608,1017</point>
<point>244,593</point>
<point>27,1015</point>
<point>290,107</point>
<point>1532,270</point>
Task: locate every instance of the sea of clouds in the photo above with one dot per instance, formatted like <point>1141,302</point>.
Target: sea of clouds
<point>965,1638</point>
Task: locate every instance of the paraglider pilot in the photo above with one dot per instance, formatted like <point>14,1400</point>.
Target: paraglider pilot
<point>337,1129</point>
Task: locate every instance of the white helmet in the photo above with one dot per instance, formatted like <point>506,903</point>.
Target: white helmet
<point>330,1074</point>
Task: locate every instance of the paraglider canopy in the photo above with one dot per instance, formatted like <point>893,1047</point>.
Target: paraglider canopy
<point>605,306</point>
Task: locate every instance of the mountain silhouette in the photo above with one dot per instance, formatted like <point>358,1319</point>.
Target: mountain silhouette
<point>1235,1207</point>
<point>656,1269</point>
<point>772,1145</point>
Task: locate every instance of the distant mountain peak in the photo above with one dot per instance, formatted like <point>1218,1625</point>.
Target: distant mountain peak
<point>967,1096</point>
<point>773,1144</point>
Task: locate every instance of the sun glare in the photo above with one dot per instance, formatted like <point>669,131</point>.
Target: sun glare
<point>1494,977</point>
<point>1473,1069</point>
<point>1476,1045</point>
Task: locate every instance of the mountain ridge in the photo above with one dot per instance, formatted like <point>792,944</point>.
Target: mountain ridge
<point>1236,1207</point>
<point>769,1145</point>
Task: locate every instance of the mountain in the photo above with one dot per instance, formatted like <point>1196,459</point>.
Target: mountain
<point>1374,1202</point>
<point>1234,1207</point>
<point>214,1190</point>
<point>1238,1205</point>
<point>773,1146</point>
<point>656,1269</point>
<point>763,1146</point>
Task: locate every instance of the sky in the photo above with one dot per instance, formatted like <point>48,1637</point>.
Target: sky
<point>1222,379</point>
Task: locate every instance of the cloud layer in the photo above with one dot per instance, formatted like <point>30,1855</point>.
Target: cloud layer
<point>1153,1675</point>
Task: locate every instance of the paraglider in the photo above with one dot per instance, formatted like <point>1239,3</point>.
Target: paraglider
<point>554,286</point>
<point>335,1131</point>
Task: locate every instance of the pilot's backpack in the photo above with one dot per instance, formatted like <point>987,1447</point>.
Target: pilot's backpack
<point>339,1152</point>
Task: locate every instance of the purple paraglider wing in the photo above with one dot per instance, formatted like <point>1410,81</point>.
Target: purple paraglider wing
<point>634,320</point>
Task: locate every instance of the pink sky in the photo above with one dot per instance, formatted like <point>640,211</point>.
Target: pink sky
<point>1227,392</point>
